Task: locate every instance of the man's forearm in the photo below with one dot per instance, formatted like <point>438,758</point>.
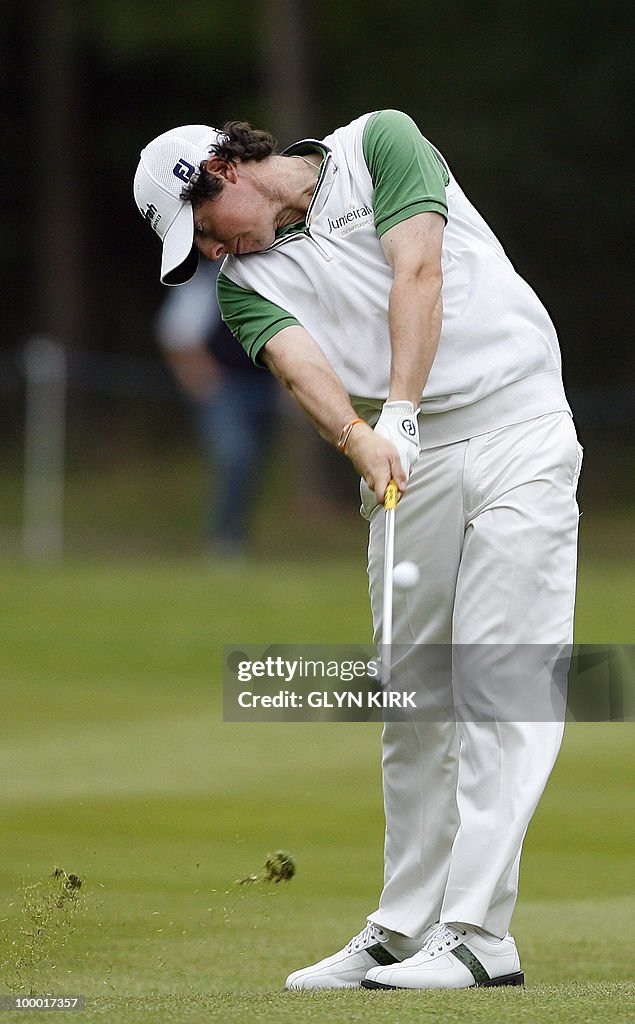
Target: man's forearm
<point>413,249</point>
<point>298,362</point>
<point>415,325</point>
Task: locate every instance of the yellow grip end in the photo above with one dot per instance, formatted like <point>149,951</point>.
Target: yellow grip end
<point>391,496</point>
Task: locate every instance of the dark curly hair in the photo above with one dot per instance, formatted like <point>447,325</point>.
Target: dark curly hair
<point>239,141</point>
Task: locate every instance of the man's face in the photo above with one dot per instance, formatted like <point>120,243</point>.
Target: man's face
<point>239,220</point>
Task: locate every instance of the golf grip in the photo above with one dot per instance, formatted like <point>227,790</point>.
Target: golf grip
<point>391,495</point>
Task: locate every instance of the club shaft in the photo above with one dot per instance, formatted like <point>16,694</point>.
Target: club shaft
<point>389,557</point>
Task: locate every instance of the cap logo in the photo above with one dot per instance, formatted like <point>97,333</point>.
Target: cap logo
<point>183,170</point>
<point>153,215</point>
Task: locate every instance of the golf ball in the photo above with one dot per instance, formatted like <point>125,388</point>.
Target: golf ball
<point>405,576</point>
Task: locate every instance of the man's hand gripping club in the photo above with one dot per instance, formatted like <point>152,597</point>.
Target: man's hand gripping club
<point>389,451</point>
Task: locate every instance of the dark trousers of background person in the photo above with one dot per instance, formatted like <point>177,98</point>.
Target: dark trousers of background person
<point>235,427</point>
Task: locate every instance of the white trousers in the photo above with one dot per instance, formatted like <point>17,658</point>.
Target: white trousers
<point>492,524</point>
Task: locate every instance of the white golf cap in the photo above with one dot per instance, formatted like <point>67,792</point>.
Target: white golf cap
<point>166,165</point>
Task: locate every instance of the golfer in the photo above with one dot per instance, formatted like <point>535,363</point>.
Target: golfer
<point>358,272</point>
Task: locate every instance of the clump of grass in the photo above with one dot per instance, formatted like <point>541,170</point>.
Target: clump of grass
<point>48,909</point>
<point>279,867</point>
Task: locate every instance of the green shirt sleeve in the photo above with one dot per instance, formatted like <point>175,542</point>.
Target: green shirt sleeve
<point>408,175</point>
<point>252,319</point>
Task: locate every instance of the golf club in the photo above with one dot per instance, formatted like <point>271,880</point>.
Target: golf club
<point>390,504</point>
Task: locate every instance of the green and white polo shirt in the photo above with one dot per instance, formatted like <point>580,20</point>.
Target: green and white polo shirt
<point>498,359</point>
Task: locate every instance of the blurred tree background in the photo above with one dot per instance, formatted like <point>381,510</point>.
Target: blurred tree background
<point>532,104</point>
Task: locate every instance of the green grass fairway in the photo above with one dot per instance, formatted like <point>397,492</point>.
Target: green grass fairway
<point>116,765</point>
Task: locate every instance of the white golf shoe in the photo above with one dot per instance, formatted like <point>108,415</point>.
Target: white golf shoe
<point>347,968</point>
<point>453,956</point>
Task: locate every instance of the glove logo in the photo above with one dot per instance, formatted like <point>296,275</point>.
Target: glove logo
<point>409,428</point>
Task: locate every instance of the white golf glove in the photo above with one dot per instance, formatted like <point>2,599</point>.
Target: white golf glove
<point>398,423</point>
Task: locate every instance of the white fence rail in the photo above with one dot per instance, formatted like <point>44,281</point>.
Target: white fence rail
<point>44,443</point>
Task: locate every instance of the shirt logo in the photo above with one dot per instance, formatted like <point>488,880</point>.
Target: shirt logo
<point>355,218</point>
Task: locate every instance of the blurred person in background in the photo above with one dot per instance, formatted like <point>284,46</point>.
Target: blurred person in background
<point>233,405</point>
